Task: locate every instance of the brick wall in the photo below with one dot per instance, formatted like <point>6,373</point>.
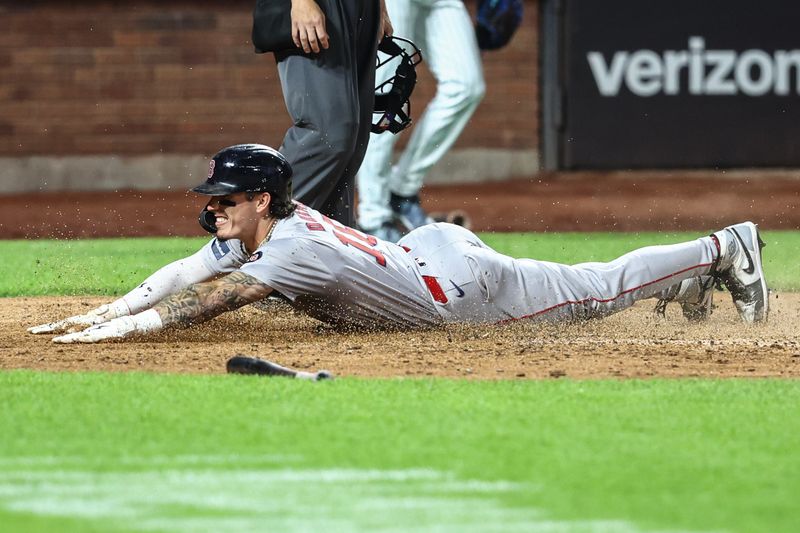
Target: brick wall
<point>137,78</point>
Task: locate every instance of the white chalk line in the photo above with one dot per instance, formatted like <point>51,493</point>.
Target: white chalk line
<point>201,496</point>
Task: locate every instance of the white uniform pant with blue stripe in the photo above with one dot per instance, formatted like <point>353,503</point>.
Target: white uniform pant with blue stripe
<point>482,285</point>
<point>444,32</point>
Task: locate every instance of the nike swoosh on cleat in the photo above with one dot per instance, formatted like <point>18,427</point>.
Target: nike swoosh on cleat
<point>751,266</point>
<point>459,289</point>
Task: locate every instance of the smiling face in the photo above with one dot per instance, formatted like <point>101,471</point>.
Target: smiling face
<point>236,215</point>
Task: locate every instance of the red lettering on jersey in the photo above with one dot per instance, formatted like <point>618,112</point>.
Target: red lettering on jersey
<point>341,228</point>
<point>352,237</point>
<point>347,241</point>
<point>311,222</point>
<point>304,215</point>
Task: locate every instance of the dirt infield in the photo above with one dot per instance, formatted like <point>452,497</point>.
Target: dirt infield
<point>630,344</point>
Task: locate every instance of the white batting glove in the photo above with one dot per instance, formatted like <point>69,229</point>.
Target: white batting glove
<point>104,313</point>
<point>117,328</point>
<point>113,329</point>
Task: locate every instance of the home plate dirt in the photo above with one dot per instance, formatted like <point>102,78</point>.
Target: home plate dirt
<point>633,343</point>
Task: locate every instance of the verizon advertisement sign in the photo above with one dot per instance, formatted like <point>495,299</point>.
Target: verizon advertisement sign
<point>647,73</point>
<point>681,83</point>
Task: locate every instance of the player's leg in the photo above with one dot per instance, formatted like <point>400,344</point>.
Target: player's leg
<point>323,95</point>
<point>482,285</point>
<point>524,288</point>
<point>373,184</point>
<point>319,143</point>
<point>374,214</point>
<point>453,58</point>
<point>364,54</point>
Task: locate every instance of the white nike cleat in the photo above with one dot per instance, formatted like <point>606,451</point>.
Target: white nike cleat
<point>696,296</point>
<point>740,269</point>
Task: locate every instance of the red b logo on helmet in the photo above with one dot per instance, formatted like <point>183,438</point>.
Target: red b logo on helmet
<point>211,169</point>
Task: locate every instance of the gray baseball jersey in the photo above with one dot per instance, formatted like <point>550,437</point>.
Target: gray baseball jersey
<point>444,273</point>
<point>333,273</point>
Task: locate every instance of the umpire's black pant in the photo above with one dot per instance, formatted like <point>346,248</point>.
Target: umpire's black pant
<point>330,97</point>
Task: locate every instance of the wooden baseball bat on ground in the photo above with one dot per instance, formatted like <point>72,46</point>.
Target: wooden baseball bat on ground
<point>242,364</point>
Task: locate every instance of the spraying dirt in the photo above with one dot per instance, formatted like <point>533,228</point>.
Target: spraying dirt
<point>633,343</point>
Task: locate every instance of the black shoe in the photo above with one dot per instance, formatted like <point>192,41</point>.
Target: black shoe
<point>408,211</point>
<point>386,232</point>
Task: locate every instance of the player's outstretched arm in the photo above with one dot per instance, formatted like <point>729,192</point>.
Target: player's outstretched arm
<point>198,303</point>
<point>165,281</point>
<point>204,301</point>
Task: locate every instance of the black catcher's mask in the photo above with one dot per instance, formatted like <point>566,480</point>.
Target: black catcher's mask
<point>248,168</point>
<point>392,107</point>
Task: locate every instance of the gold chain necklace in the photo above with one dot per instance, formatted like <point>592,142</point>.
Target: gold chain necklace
<point>269,234</point>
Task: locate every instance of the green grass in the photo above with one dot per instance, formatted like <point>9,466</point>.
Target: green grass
<point>120,452</point>
<point>86,267</point>
<point>134,450</point>
<point>114,266</point>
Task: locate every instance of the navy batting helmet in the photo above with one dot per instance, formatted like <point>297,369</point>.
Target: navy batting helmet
<point>496,22</point>
<point>248,168</point>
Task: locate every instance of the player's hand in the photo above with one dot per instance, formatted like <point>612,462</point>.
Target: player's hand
<point>104,313</point>
<point>308,26</point>
<point>118,328</point>
<point>113,329</point>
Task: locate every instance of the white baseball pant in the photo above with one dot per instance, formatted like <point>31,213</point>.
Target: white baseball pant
<point>477,284</point>
<point>443,31</point>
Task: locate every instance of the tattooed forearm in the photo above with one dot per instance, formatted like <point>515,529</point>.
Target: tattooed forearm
<point>204,301</point>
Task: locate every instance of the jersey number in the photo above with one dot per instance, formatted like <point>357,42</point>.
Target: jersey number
<point>351,237</point>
